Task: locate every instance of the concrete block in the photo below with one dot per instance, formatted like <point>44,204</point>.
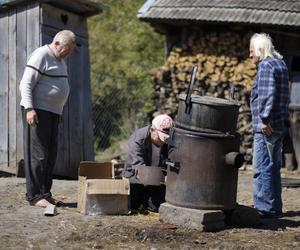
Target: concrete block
<point>205,220</point>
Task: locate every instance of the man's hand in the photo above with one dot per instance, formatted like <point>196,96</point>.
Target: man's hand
<point>31,117</point>
<point>266,129</point>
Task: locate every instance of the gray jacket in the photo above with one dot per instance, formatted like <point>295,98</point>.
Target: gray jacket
<point>140,153</point>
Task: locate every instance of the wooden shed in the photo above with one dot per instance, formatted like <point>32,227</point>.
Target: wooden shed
<point>177,18</point>
<point>24,26</point>
<point>214,35</point>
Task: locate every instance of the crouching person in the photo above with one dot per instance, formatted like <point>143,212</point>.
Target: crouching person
<point>147,149</point>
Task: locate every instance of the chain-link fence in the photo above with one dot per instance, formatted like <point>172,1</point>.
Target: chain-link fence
<point>115,117</point>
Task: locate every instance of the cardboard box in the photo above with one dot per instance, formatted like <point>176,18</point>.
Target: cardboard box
<point>99,192</point>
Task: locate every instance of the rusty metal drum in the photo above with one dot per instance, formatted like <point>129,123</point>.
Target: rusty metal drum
<point>203,170</point>
<point>207,114</point>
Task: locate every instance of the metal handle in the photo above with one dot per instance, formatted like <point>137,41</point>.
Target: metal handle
<point>189,92</point>
<point>173,166</point>
<point>231,92</point>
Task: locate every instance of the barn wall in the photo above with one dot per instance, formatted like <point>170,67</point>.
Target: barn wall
<point>19,37</point>
<point>4,90</point>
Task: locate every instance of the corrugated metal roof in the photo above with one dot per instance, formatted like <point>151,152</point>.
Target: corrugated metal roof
<point>282,5</point>
<point>273,12</point>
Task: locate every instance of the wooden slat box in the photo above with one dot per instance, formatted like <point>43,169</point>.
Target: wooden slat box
<point>99,193</point>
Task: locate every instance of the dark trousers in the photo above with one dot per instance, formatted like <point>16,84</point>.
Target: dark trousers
<point>40,152</point>
<point>147,197</point>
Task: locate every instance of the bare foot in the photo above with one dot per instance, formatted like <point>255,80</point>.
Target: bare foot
<point>42,203</point>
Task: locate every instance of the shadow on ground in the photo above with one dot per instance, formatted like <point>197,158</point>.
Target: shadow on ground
<point>281,223</point>
<point>6,174</point>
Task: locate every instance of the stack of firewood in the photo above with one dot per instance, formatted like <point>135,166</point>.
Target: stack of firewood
<point>222,60</point>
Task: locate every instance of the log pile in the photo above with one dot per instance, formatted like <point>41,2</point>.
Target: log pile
<point>222,60</point>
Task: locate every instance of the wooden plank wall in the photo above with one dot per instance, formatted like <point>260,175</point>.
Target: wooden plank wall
<point>21,45</point>
<point>33,27</point>
<point>62,19</point>
<point>13,88</point>
<point>20,32</point>
<point>76,68</point>
<point>79,111</point>
<point>4,69</point>
<point>88,125</point>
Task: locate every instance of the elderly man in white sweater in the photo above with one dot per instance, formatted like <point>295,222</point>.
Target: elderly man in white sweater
<point>44,91</point>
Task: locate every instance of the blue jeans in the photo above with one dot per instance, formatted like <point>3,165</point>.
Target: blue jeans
<point>266,179</point>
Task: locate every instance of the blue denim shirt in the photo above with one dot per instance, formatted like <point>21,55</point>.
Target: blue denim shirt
<point>270,95</point>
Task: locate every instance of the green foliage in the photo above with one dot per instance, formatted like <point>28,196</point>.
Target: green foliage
<point>123,50</point>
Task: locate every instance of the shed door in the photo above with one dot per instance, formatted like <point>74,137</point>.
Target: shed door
<point>295,106</point>
<point>295,88</point>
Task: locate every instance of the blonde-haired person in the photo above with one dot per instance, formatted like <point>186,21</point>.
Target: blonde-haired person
<point>44,91</point>
<point>263,47</point>
<point>270,119</point>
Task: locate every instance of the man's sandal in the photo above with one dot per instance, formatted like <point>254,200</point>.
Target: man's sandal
<point>55,202</point>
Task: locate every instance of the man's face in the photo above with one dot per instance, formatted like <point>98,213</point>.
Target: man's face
<point>255,59</point>
<point>155,138</point>
<point>64,51</point>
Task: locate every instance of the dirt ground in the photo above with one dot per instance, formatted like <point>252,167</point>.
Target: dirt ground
<point>25,227</point>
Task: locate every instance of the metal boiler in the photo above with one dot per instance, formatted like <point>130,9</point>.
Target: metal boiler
<point>204,161</point>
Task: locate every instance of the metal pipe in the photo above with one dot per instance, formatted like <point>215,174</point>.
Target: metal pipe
<point>234,159</point>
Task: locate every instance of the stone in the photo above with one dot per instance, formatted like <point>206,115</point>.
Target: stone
<point>205,220</point>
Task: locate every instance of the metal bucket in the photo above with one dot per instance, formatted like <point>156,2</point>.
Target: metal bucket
<point>207,114</point>
<point>203,170</point>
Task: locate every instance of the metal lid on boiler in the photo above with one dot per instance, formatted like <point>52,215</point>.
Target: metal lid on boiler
<point>210,100</point>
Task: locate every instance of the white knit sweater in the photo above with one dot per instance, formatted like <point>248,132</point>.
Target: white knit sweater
<point>44,84</point>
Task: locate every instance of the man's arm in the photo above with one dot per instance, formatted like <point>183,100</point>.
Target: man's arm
<point>136,153</point>
<point>31,76</point>
<point>135,156</point>
<point>29,80</point>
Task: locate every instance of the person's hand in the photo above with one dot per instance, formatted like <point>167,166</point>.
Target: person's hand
<point>31,117</point>
<point>266,129</point>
